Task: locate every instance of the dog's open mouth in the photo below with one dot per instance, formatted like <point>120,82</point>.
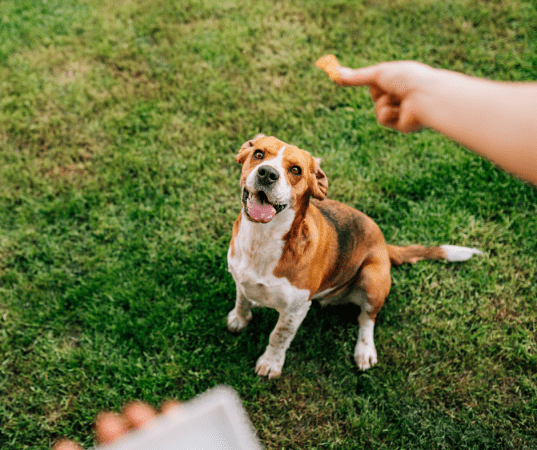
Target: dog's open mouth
<point>258,207</point>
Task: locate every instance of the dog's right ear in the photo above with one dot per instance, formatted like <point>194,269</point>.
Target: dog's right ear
<point>321,181</point>
<point>244,151</point>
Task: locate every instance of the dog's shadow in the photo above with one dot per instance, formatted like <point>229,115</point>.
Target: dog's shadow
<point>318,317</point>
<point>343,316</point>
<point>323,331</point>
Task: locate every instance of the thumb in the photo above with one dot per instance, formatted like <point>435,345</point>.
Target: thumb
<point>66,445</point>
<point>358,77</point>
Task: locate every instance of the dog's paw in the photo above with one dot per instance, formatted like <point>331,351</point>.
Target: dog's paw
<point>236,323</point>
<point>365,355</point>
<point>269,366</point>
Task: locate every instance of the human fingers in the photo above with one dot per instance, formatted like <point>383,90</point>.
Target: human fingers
<point>376,92</point>
<point>387,109</point>
<point>388,116</point>
<point>397,117</point>
<point>170,406</point>
<point>109,427</point>
<point>137,414</point>
<point>66,445</point>
<point>359,77</point>
<point>386,100</point>
<point>382,80</point>
<point>393,113</point>
<point>408,120</point>
<point>398,78</point>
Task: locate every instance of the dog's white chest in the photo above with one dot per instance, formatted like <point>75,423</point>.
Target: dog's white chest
<point>252,265</point>
<point>269,291</point>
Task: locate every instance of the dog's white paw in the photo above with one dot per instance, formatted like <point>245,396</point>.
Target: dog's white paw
<point>269,366</point>
<point>365,355</point>
<point>236,323</point>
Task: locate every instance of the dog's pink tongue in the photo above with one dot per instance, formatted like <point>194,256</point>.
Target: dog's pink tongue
<point>260,213</point>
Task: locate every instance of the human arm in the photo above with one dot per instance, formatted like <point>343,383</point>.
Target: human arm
<point>498,120</point>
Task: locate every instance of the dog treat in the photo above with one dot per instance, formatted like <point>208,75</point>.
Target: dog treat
<point>329,64</point>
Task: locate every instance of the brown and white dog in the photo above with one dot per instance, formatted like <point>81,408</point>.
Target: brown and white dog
<point>290,246</point>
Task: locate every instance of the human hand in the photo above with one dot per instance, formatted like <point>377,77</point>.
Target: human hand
<point>109,427</point>
<point>396,88</point>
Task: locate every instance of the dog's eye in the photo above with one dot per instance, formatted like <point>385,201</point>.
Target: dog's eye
<point>258,154</point>
<point>295,170</point>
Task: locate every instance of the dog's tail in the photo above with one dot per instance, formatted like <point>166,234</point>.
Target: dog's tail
<point>415,253</point>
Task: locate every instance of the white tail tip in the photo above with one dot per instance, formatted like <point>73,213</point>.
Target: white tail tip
<point>455,253</point>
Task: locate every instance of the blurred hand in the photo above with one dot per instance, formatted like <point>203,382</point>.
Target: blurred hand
<point>395,88</point>
<point>109,427</point>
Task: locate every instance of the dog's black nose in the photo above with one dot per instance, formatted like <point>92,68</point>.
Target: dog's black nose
<point>267,175</point>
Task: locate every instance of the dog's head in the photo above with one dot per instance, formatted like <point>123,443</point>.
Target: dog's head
<point>276,176</point>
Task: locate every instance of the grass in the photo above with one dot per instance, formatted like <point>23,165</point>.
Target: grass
<point>119,122</point>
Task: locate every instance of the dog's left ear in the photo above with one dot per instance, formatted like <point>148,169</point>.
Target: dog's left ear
<point>320,186</point>
<point>245,149</point>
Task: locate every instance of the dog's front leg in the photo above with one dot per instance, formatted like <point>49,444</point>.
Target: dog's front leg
<point>271,362</point>
<point>239,317</point>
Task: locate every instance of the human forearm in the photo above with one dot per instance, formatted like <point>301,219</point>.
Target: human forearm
<point>497,120</point>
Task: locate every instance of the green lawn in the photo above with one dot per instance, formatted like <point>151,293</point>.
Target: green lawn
<point>119,122</point>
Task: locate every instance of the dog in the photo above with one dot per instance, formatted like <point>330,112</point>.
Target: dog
<point>291,245</point>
